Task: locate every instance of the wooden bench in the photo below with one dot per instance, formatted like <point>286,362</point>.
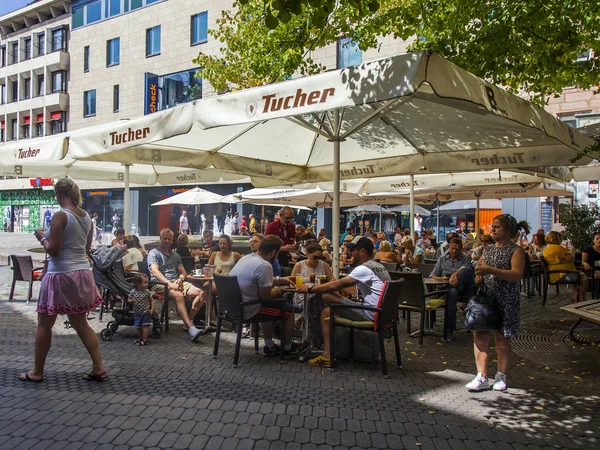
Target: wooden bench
<point>588,310</point>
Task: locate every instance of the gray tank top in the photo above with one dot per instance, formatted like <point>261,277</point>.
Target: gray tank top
<point>72,254</point>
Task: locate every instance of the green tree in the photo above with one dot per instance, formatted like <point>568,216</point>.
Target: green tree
<point>580,223</point>
<point>525,45</point>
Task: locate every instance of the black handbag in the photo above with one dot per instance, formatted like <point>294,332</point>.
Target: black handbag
<point>483,313</point>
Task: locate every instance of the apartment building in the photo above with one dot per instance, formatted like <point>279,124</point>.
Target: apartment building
<point>34,70</point>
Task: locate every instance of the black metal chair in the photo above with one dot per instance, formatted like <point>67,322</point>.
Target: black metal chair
<point>532,273</point>
<point>386,315</point>
<point>389,266</point>
<point>230,307</point>
<point>546,279</point>
<point>414,299</point>
<point>425,269</point>
<point>164,296</point>
<point>23,270</point>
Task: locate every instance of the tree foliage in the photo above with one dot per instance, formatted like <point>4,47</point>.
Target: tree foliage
<point>524,45</point>
<point>580,223</point>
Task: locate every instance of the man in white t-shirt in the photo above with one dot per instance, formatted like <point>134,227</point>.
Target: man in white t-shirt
<point>368,276</point>
<point>184,226</point>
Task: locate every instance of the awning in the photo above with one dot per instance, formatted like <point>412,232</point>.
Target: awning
<point>26,120</point>
<point>56,115</point>
<point>39,118</point>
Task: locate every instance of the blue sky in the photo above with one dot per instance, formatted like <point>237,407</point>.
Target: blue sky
<point>7,6</point>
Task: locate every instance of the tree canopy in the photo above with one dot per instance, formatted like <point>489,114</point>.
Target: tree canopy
<point>533,46</point>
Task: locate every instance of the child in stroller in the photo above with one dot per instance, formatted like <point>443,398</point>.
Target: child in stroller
<point>143,307</point>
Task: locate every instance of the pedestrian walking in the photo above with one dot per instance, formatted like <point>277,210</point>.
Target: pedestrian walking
<point>68,286</point>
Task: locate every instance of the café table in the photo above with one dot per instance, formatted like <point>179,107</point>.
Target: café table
<point>199,281</point>
<point>306,344</point>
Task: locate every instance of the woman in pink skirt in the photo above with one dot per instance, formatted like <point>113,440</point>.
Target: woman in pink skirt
<point>68,287</point>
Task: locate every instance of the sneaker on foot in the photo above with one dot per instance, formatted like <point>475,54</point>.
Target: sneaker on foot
<point>293,351</point>
<point>271,351</point>
<point>185,327</point>
<point>499,382</point>
<point>479,383</point>
<point>195,333</point>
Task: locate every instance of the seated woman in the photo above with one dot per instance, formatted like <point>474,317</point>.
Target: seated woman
<point>244,231</point>
<point>182,243</point>
<point>133,255</point>
<point>412,254</point>
<point>313,265</point>
<point>345,256</point>
<point>225,258</point>
<point>324,243</point>
<point>558,258</point>
<point>139,246</point>
<point>591,255</point>
<point>477,252</point>
<point>537,247</point>
<point>119,235</point>
<point>386,254</point>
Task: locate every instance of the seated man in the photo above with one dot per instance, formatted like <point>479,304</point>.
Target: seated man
<point>255,277</point>
<point>443,249</point>
<point>368,276</point>
<point>456,268</point>
<point>166,267</point>
<point>209,245</point>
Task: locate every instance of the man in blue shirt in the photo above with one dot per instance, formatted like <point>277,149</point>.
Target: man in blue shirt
<point>456,268</point>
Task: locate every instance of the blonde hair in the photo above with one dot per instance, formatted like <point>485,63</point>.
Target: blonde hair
<point>182,240</point>
<point>324,243</point>
<point>385,246</point>
<point>65,187</point>
<point>554,237</point>
<point>165,231</point>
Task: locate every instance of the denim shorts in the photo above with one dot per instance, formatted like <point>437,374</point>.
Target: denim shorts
<point>571,277</point>
<point>141,320</point>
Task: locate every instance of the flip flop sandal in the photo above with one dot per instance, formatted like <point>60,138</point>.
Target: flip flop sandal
<point>93,377</point>
<point>320,361</point>
<point>25,377</point>
<point>142,343</point>
<point>137,341</point>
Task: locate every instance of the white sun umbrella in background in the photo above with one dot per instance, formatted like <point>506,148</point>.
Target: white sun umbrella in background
<point>195,196</point>
<point>406,208</point>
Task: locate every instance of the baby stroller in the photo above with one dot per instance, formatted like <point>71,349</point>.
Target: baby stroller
<point>110,277</point>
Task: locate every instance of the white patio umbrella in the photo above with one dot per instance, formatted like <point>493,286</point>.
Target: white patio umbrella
<point>409,114</point>
<point>406,208</point>
<point>196,196</point>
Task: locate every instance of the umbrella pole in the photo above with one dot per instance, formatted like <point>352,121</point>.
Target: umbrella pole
<point>335,213</point>
<point>438,218</point>
<point>381,218</point>
<point>126,215</point>
<point>412,206</point>
<point>477,225</point>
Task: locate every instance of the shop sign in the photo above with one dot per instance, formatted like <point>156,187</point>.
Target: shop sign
<point>593,189</point>
<point>99,193</point>
<point>41,182</point>
<point>151,93</point>
<point>173,191</point>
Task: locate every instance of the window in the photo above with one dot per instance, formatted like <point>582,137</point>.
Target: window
<point>41,85</point>
<point>58,122</point>
<point>173,89</point>
<point>59,81</point>
<point>93,12</point>
<point>26,130</point>
<point>14,52</point>
<point>3,56</point>
<point>59,39</point>
<point>26,88</point>
<point>135,4</point>
<point>116,98</point>
<point>113,52</point>
<point>41,43</point>
<point>89,103</point>
<point>2,132</point>
<point>13,129</point>
<point>348,53</point>
<point>2,94</point>
<point>78,14</point>
<point>26,48</point>
<point>14,91</point>
<point>86,58</point>
<point>114,7</point>
<point>153,41</point>
<point>39,129</point>
<point>199,27</point>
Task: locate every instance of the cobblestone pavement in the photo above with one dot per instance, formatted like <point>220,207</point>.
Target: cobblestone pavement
<point>173,394</point>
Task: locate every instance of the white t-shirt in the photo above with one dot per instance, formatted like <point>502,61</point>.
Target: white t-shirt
<point>183,223</point>
<point>369,285</point>
<point>252,273</point>
<point>133,256</point>
<point>418,224</point>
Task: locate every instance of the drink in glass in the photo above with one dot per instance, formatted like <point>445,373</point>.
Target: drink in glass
<point>299,280</point>
<point>312,277</point>
<point>323,279</point>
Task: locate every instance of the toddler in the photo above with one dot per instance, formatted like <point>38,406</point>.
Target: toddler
<point>143,307</point>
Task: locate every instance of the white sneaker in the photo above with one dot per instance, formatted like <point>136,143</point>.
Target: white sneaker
<point>195,333</point>
<point>479,383</point>
<point>500,382</point>
<point>185,327</point>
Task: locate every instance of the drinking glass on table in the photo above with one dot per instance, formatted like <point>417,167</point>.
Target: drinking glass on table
<point>311,277</point>
<point>299,280</point>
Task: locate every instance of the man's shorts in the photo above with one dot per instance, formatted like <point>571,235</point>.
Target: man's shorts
<point>571,277</point>
<point>357,315</point>
<point>270,310</point>
<point>159,288</point>
<point>141,320</point>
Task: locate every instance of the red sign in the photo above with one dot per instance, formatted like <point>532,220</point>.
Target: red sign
<point>39,182</point>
